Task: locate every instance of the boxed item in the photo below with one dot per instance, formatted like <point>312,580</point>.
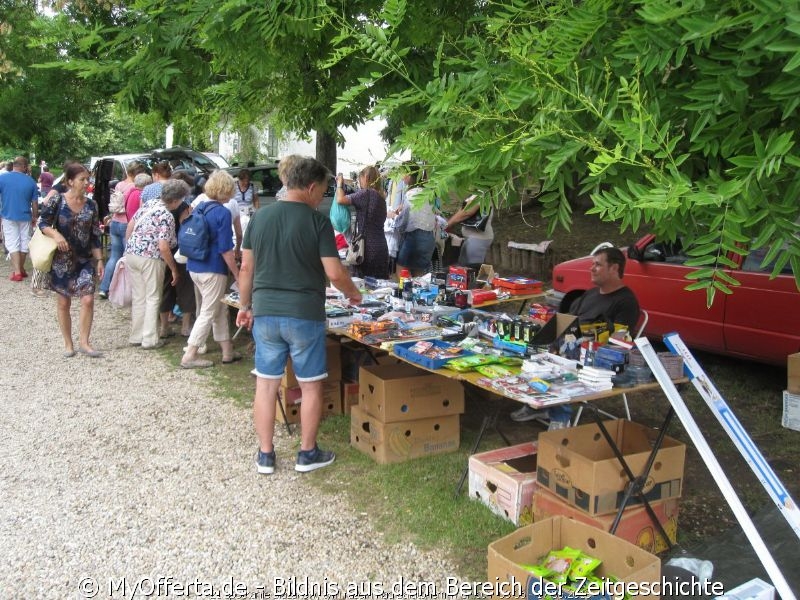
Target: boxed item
<point>290,398</point>
<point>401,441</point>
<point>793,373</point>
<point>529,544</point>
<point>505,480</point>
<point>403,393</point>
<point>635,525</point>
<point>755,589</point>
<point>559,335</point>
<point>462,278</point>
<point>791,411</point>
<point>579,465</point>
<point>349,395</point>
<point>334,365</point>
<point>519,285</point>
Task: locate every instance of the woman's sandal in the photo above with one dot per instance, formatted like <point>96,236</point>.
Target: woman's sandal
<point>235,358</point>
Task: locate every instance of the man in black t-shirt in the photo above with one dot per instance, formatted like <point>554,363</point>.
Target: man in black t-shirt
<point>610,301</point>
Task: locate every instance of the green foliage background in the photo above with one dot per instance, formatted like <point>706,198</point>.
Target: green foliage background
<point>677,115</point>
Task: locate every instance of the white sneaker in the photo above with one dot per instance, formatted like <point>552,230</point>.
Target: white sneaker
<point>526,413</point>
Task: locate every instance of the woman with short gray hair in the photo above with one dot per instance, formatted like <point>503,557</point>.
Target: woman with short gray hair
<point>147,256</point>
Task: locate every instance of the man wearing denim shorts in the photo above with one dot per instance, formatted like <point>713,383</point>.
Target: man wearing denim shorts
<point>287,253</point>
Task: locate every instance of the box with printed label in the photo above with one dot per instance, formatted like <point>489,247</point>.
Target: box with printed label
<point>635,525</point>
<point>403,440</point>
<point>505,480</point>
<point>791,411</point>
<point>349,395</point>
<point>528,545</point>
<point>334,365</point>
<point>290,398</point>
<point>579,465</point>
<point>402,393</point>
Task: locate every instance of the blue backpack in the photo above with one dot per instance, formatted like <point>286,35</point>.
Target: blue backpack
<point>194,237</point>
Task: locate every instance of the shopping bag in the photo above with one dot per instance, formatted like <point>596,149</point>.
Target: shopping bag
<point>120,292</point>
<point>42,250</point>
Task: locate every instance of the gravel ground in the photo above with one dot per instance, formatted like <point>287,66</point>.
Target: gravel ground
<point>124,471</point>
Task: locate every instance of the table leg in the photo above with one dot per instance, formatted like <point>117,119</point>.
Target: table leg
<point>636,484</point>
<point>489,420</point>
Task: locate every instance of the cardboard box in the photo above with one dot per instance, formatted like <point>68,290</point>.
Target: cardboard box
<point>334,365</point>
<point>793,373</point>
<point>355,355</point>
<point>290,398</point>
<point>349,395</point>
<point>635,525</point>
<point>578,465</point>
<point>529,544</point>
<point>505,480</point>
<point>791,411</point>
<point>402,392</point>
<point>401,441</point>
<point>559,335</point>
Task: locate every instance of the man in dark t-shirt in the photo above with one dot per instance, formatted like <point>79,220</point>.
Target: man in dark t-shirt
<point>610,301</point>
<point>287,253</point>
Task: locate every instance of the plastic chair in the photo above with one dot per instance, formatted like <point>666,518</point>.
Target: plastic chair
<point>643,318</point>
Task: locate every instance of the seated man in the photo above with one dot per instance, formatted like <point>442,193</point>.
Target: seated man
<point>610,301</point>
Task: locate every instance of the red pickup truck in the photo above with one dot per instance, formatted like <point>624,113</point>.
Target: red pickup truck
<point>759,321</point>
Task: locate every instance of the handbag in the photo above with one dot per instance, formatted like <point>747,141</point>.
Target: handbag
<point>477,221</point>
<point>355,250</point>
<point>43,248</point>
<point>120,293</point>
<point>357,246</point>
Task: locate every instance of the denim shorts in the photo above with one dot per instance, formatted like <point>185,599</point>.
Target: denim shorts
<point>416,250</point>
<point>277,338</point>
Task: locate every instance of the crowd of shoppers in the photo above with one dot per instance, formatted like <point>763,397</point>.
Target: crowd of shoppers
<point>288,254</point>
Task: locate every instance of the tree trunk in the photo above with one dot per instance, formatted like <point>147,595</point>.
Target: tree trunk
<point>326,150</point>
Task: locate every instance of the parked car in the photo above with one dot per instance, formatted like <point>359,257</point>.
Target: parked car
<point>265,178</point>
<point>186,159</point>
<point>217,159</point>
<point>759,321</point>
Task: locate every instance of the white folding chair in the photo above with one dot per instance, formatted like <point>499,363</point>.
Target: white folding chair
<point>643,318</point>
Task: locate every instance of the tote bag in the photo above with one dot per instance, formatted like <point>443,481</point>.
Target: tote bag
<point>120,292</point>
<point>42,250</point>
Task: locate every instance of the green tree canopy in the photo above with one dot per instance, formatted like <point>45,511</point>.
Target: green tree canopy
<point>680,116</point>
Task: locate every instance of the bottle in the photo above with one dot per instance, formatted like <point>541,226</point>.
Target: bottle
<point>408,296</point>
<point>404,276</point>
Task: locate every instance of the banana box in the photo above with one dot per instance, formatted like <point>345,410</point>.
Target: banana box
<point>290,398</point>
<point>635,525</point>
<point>405,440</point>
<point>402,392</point>
<point>504,479</point>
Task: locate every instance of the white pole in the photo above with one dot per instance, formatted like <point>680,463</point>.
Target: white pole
<point>715,468</point>
<point>170,135</point>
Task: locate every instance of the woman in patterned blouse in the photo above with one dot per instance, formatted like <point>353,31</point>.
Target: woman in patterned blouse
<point>151,237</point>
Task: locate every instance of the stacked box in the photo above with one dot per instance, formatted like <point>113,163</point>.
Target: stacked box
<point>349,396</point>
<point>793,373</point>
<point>290,398</point>
<point>405,413</point>
<point>579,465</point>
<point>635,525</point>
<point>290,395</point>
<point>505,481</point>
